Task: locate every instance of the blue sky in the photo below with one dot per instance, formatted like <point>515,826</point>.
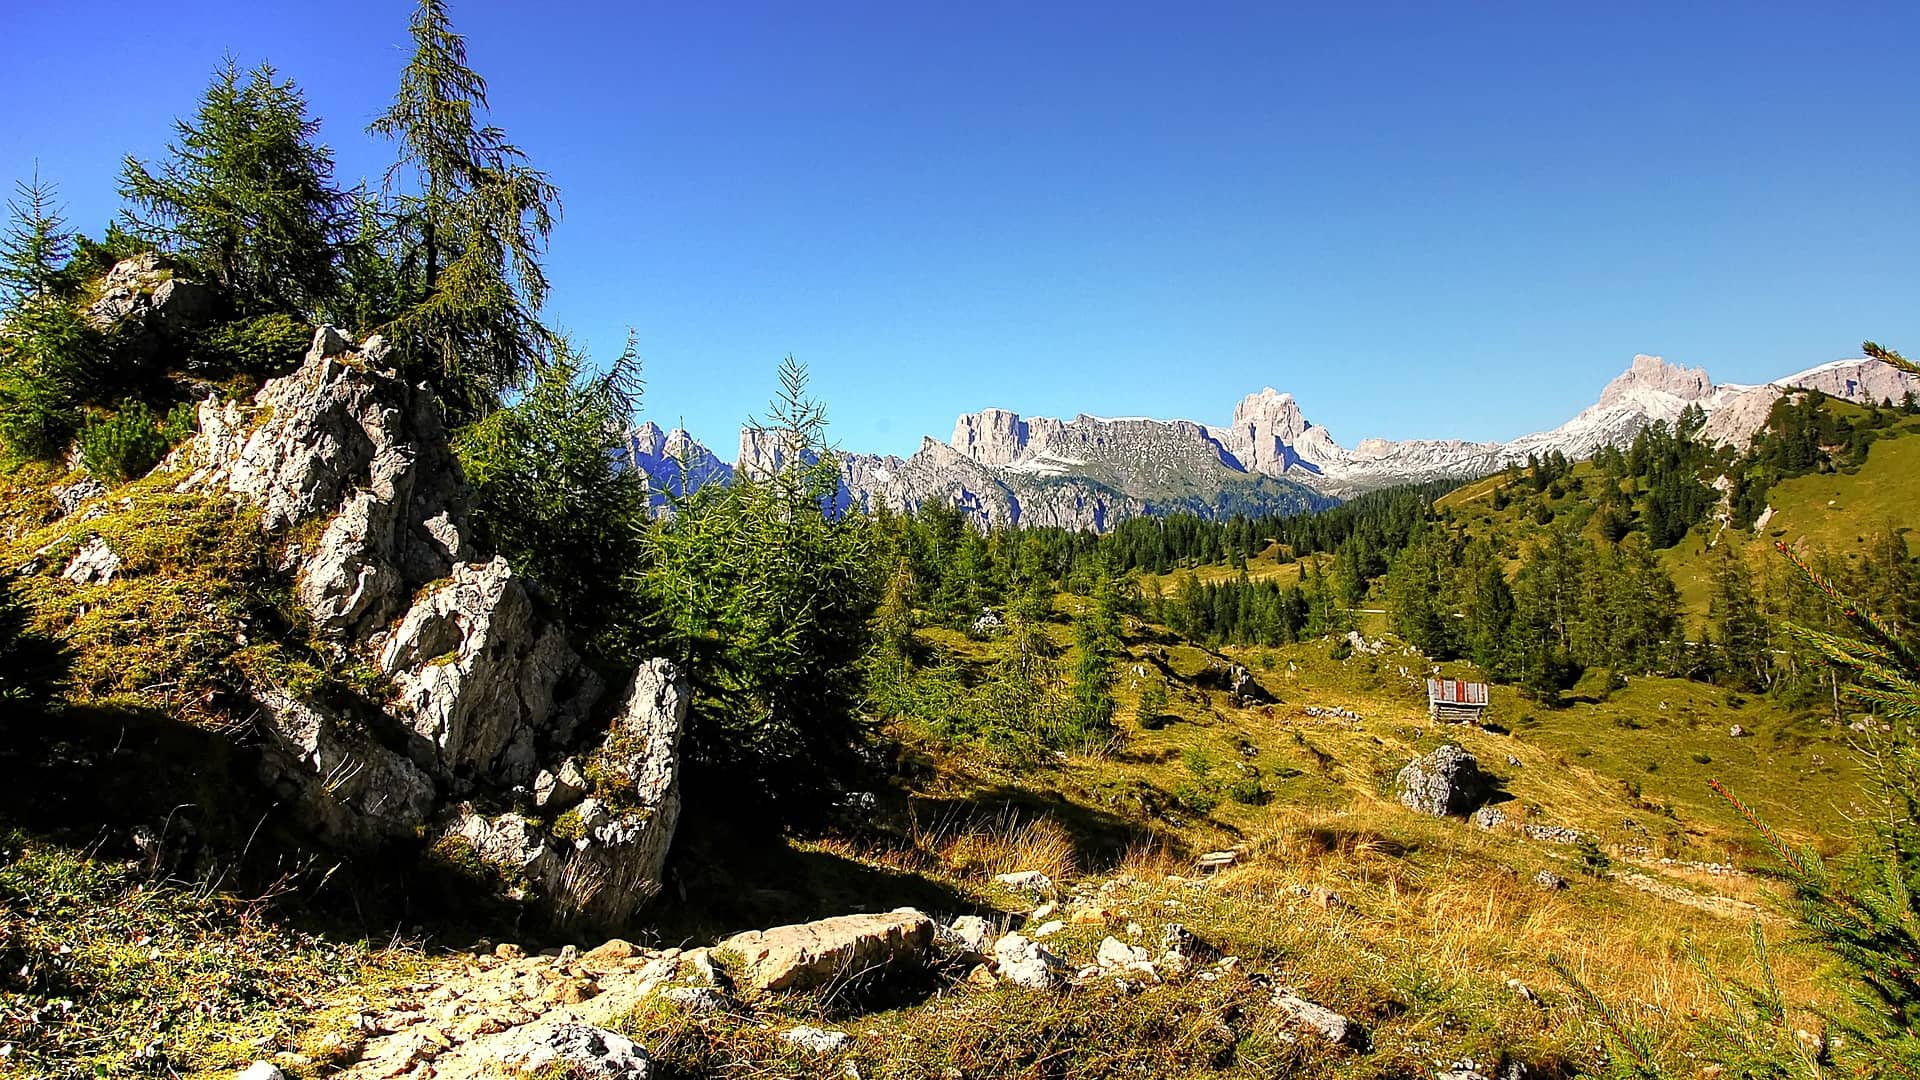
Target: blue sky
<point>1424,220</point>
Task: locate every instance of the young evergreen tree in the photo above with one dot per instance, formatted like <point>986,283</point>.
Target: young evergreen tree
<point>468,232</point>
<point>246,195</point>
<point>34,249</point>
<point>1097,648</point>
<point>766,593</point>
<point>549,492</point>
<point>51,358</point>
<point>1735,625</point>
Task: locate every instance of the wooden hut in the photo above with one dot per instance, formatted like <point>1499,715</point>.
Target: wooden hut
<point>1456,700</point>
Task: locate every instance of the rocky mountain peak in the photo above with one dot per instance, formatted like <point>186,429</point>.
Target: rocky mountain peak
<point>1652,374</point>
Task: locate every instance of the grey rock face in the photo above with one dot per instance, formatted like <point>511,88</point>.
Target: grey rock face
<point>478,674</point>
<point>485,688</point>
<point>1447,782</point>
<point>604,875</point>
<point>94,562</point>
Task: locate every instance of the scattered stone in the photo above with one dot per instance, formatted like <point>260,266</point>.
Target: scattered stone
<point>1040,913</point>
<point>1047,929</point>
<point>699,1000</point>
<point>560,788</point>
<point>701,968</point>
<point>1177,940</point>
<point>1319,894</point>
<point>806,955</point>
<point>1523,991</point>
<point>94,562</point>
<point>1214,861</point>
<point>972,933</point>
<point>1443,783</point>
<point>1031,880</point>
<point>261,1070</point>
<point>1736,731</point>
<point>78,494</point>
<point>1028,963</point>
<point>1489,817</point>
<point>1547,879</point>
<point>1552,834</point>
<point>577,1050</point>
<point>612,951</point>
<point>508,951</point>
<point>1320,1020</point>
<point>1114,953</point>
<point>818,1040</point>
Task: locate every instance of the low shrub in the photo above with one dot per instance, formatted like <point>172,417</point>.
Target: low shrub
<point>132,441</point>
<point>267,345</point>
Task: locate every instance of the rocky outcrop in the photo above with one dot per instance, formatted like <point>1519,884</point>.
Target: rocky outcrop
<point>601,861</point>
<point>807,955</point>
<point>1447,782</point>
<point>148,308</point>
<point>350,466</point>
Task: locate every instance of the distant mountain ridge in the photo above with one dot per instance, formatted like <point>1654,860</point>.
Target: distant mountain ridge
<point>1092,472</point>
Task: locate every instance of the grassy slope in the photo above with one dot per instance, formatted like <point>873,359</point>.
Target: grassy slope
<point>1831,512</point>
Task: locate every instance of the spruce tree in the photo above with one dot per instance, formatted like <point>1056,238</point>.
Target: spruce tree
<point>35,247</point>
<point>246,195</point>
<point>1097,647</point>
<point>1735,625</point>
<point>468,232</point>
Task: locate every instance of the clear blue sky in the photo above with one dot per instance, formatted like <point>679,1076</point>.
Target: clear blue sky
<point>1423,219</point>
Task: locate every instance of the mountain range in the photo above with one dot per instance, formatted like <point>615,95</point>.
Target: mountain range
<point>1093,472</point>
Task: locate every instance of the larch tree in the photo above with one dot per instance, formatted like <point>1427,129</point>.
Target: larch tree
<point>246,195</point>
<point>467,233</point>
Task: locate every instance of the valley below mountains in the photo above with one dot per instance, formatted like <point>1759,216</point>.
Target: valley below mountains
<point>1002,468</point>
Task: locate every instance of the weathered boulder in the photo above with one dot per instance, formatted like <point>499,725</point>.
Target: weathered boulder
<point>95,562</point>
<point>1445,782</point>
<point>972,934</point>
<point>575,1050</point>
<point>809,954</point>
<point>1025,962</point>
<point>1320,1020</point>
<point>1116,953</point>
<point>1032,881</point>
<point>818,1040</point>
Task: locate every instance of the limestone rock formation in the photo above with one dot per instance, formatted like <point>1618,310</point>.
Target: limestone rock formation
<point>148,307</point>
<point>1447,782</point>
<point>350,466</point>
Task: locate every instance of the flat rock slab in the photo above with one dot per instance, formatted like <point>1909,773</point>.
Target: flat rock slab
<point>806,955</point>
